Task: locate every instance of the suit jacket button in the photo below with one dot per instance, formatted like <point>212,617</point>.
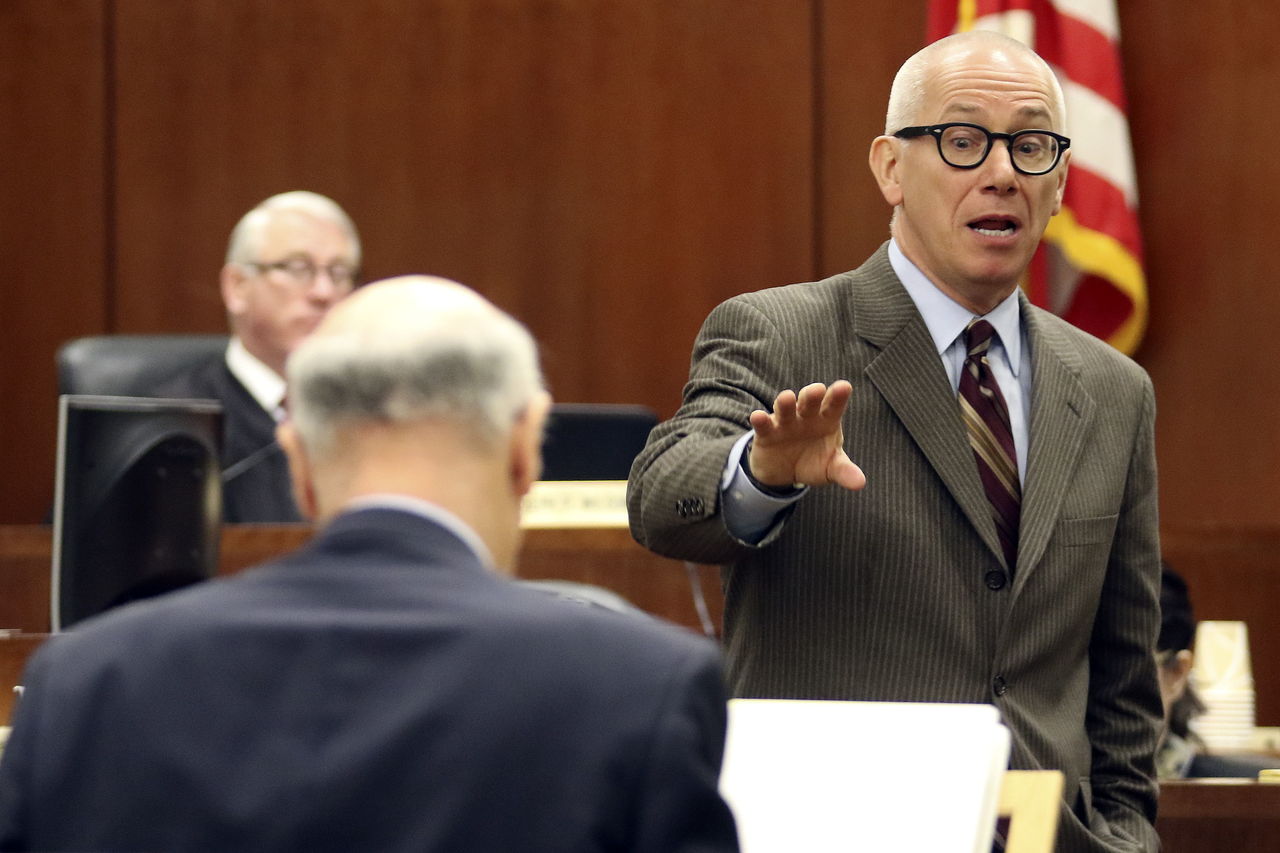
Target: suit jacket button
<point>697,505</point>
<point>995,580</point>
<point>999,686</point>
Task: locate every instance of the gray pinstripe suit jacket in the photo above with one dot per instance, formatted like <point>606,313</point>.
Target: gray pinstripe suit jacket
<point>899,592</point>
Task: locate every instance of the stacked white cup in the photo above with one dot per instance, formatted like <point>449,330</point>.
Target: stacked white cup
<point>1223,678</point>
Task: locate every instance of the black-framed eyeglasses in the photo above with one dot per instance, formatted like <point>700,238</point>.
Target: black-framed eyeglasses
<point>966,146</point>
<point>303,271</point>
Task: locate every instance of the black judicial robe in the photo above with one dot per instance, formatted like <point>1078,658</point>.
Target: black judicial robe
<point>255,472</point>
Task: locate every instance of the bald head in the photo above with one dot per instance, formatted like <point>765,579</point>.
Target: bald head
<point>400,309</point>
<point>249,239</point>
<point>412,349</point>
<point>911,85</point>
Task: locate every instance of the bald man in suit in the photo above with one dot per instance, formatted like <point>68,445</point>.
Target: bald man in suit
<point>908,580</point>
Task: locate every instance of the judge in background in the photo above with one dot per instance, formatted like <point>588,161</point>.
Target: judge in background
<point>385,688</point>
<point>289,261</point>
<point>1002,545</point>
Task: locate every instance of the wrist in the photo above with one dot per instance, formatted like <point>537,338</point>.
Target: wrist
<point>784,491</point>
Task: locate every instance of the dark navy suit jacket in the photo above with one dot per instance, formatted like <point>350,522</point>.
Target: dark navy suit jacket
<point>378,690</point>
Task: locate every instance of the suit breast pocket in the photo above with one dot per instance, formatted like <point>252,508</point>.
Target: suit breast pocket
<point>1071,575</point>
<point>1078,532</point>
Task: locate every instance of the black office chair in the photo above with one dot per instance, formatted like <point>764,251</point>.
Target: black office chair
<point>594,441</point>
<point>130,365</point>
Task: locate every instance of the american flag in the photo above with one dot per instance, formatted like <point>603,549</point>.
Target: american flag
<point>1088,268</point>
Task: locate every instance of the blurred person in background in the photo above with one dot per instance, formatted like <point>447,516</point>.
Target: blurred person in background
<point>290,259</point>
<point>1182,754</point>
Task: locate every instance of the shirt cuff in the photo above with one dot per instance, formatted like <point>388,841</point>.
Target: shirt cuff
<point>749,513</point>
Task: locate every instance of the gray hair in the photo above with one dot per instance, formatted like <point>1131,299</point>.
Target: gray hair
<point>907,94</point>
<point>246,237</point>
<point>459,359</point>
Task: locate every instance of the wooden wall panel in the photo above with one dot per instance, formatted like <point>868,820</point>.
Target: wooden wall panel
<point>1202,86</point>
<point>1202,92</point>
<point>53,252</point>
<point>608,171</point>
<point>861,47</point>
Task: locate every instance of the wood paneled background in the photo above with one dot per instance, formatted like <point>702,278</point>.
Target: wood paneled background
<point>607,170</point>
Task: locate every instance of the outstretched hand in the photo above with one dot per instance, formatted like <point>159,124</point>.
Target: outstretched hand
<point>802,442</point>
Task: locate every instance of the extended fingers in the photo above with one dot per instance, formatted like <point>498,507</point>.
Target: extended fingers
<point>836,399</point>
<point>820,401</point>
<point>766,424</point>
<point>762,422</point>
<point>814,401</point>
<point>784,407</point>
<point>809,403</point>
<point>800,441</point>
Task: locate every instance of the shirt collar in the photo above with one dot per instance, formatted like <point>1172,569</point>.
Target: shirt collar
<point>946,319</point>
<point>428,510</point>
<point>263,384</point>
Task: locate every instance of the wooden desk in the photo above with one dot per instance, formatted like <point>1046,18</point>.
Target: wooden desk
<point>24,578</point>
<point>14,651</point>
<point>606,557</point>
<point>1218,815</point>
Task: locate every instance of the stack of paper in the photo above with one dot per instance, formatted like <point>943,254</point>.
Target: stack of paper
<point>1223,677</point>
<point>875,776</point>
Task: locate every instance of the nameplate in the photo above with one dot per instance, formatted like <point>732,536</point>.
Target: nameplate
<point>575,503</point>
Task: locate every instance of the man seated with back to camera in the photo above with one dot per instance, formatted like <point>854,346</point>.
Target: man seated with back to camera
<point>383,688</point>
<point>290,259</point>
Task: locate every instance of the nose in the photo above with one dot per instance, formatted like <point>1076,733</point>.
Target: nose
<point>323,288</point>
<point>1003,178</point>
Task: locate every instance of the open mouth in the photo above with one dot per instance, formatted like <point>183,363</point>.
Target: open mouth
<point>995,226</point>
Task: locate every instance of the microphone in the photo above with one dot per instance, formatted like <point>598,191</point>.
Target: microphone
<point>247,463</point>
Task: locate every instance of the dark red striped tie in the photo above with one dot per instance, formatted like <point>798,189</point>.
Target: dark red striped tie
<point>986,419</point>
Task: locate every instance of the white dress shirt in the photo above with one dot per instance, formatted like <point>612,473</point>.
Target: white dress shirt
<point>263,384</point>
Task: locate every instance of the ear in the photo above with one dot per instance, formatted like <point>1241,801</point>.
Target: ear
<point>234,283</point>
<point>526,444</point>
<point>1061,174</point>
<point>300,474</point>
<point>885,159</point>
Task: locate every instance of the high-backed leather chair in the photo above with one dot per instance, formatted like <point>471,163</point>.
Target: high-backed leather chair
<point>129,365</point>
<point>594,441</point>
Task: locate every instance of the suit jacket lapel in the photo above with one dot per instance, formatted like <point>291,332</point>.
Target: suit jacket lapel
<point>1061,411</point>
<point>909,375</point>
